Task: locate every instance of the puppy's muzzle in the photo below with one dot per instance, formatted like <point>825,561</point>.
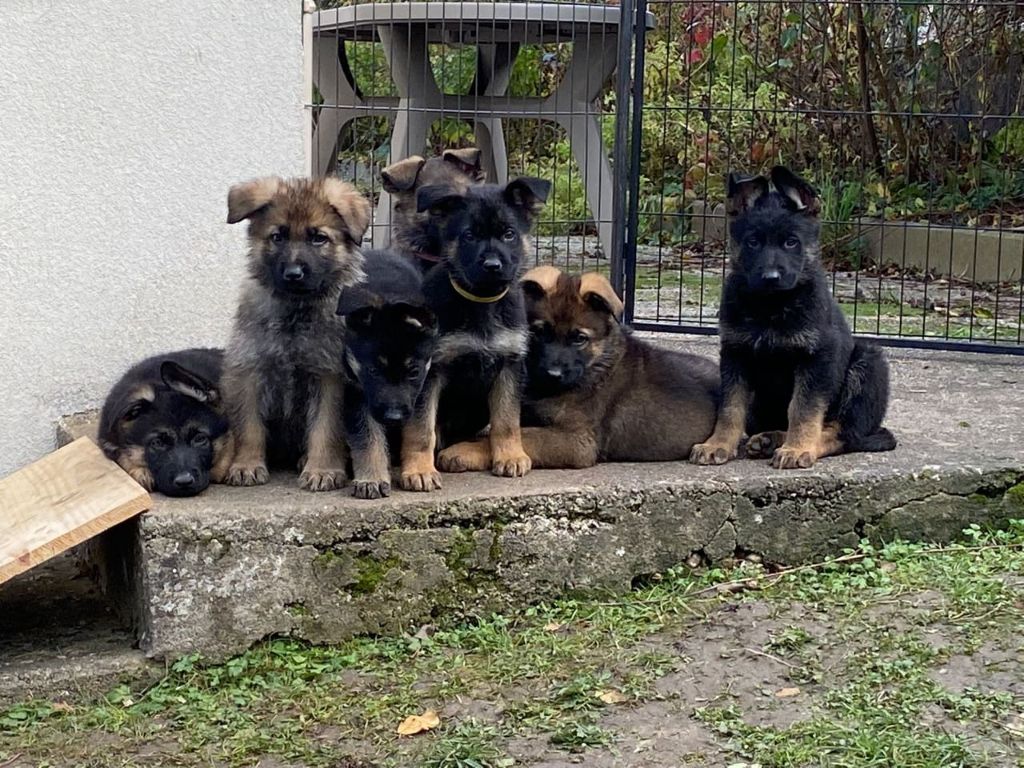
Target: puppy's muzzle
<point>492,264</point>
<point>295,272</point>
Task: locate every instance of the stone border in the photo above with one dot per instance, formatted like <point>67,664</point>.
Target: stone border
<point>978,254</point>
<point>221,574</point>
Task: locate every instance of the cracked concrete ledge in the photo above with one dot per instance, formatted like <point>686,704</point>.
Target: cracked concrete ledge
<point>216,573</point>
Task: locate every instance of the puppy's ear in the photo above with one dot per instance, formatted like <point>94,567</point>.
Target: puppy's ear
<point>353,208</point>
<point>439,199</point>
<point>528,194</point>
<point>743,192</point>
<point>801,194</point>
<point>187,383</point>
<point>418,317</point>
<point>466,160</point>
<point>401,176</point>
<point>599,294</point>
<point>356,298</point>
<point>540,281</point>
<point>250,197</point>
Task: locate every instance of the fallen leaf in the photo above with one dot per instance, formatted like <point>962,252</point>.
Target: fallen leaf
<point>62,706</point>
<point>612,697</point>
<point>419,723</point>
<point>553,626</point>
<point>785,693</point>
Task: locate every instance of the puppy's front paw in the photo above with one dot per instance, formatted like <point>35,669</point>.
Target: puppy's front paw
<point>712,453</point>
<point>473,456</point>
<point>421,481</point>
<point>789,457</point>
<point>763,444</point>
<point>514,465</point>
<point>322,479</point>
<point>142,476</point>
<point>247,474</point>
<point>371,489</point>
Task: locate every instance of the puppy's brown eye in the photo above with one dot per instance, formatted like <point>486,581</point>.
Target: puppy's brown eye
<point>468,236</point>
<point>508,235</point>
<point>791,243</point>
<point>200,441</point>
<point>753,241</point>
<point>579,338</point>
<point>276,238</point>
<point>318,238</point>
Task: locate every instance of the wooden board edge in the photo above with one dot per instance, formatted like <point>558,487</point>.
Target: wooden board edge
<point>126,511</point>
<point>129,509</point>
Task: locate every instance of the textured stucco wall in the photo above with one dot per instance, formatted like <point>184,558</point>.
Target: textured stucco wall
<point>122,125</point>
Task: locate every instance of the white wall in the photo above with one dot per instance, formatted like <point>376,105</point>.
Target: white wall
<point>122,125</point>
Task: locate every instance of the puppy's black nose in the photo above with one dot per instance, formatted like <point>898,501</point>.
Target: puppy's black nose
<point>492,264</point>
<point>771,276</point>
<point>294,272</point>
<point>184,480</point>
<point>556,373</point>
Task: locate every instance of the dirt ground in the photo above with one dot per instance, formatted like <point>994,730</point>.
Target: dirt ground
<point>907,656</point>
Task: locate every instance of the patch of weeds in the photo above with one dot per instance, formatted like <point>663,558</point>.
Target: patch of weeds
<point>788,641</point>
<point>976,705</point>
<point>576,736</point>
<point>839,742</point>
<point>470,744</point>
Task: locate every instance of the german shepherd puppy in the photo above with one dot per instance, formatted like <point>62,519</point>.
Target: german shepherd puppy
<point>476,296</point>
<point>390,339</point>
<point>594,391</point>
<point>283,370</point>
<point>793,376</point>
<point>415,232</point>
<point>163,423</point>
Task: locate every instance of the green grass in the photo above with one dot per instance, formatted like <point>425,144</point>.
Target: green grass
<point>869,679</point>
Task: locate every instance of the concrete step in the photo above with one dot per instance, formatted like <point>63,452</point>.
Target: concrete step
<point>216,573</point>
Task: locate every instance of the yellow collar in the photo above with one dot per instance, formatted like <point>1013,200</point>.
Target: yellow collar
<point>472,297</point>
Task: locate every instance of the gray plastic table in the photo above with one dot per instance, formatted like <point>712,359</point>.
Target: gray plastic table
<point>498,30</point>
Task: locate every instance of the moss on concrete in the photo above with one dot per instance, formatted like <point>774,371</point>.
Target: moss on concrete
<point>370,572</point>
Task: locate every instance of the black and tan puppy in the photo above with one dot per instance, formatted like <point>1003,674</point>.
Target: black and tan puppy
<point>793,377</point>
<point>164,424</point>
<point>475,294</point>
<point>594,391</point>
<point>390,340</point>
<point>283,370</point>
<point>415,232</point>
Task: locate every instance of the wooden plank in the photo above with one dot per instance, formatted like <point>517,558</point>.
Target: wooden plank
<point>62,500</point>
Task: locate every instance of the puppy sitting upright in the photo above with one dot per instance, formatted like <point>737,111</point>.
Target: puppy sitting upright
<point>793,376</point>
<point>163,423</point>
<point>390,338</point>
<point>594,391</point>
<point>476,297</point>
<point>283,377</point>
<point>414,232</point>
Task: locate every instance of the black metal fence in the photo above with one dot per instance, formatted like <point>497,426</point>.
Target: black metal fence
<point>905,115</point>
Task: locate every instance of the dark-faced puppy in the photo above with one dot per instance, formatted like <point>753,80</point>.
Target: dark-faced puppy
<point>283,377</point>
<point>475,294</point>
<point>793,377</point>
<point>390,340</point>
<point>414,232</point>
<point>163,422</point>
<point>595,392</point>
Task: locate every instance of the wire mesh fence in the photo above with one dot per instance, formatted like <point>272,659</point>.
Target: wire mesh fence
<point>905,116</point>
